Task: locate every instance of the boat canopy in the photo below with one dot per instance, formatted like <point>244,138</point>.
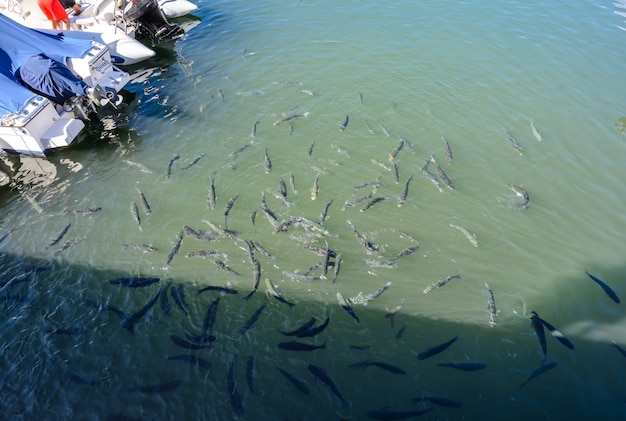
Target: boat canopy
<point>20,43</point>
<point>13,96</point>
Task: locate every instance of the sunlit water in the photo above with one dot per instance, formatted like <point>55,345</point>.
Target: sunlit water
<point>466,71</point>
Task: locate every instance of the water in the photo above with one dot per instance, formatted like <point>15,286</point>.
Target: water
<point>465,71</point>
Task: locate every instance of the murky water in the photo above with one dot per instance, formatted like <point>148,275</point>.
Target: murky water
<point>464,71</point>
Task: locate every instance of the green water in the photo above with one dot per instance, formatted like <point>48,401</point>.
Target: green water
<point>467,72</point>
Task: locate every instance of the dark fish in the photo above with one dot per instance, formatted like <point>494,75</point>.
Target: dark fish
<point>388,414</point>
<point>396,174</point>
<point>81,380</point>
<point>59,236</point>
<point>289,117</point>
<point>210,200</point>
<point>347,306</point>
<point>619,348</point>
<point>157,388</point>
<point>442,175</point>
<point>209,318</point>
<point>165,302</point>
<point>282,187</point>
<point>200,235</point>
<point>384,129</point>
<point>225,289</point>
<point>75,212</point>
<point>258,247</point>
<point>135,282</point>
<point>250,374</point>
<point>223,266</point>
<point>169,166</point>
<point>467,366</point>
<point>539,371</point>
<point>306,326</point>
<point>183,343</point>
<point>316,187</point>
<point>235,397</point>
<point>312,331</point>
<point>271,289</point>
<point>535,323</point>
<point>448,150</point>
<point>267,162</point>
<point>220,93</point>
<point>191,359</point>
<point>252,320</point>
<point>344,124</point>
<point>205,253</point>
<point>439,401</point>
<point>384,366</point>
<point>299,384</point>
<point>491,307</point>
<point>516,145</point>
<point>557,334</point>
<point>321,374</point>
<point>372,202</point>
<point>194,162</point>
<point>395,151</point>
<point>178,295</point>
<point>433,350</point>
<point>360,98</point>
<point>69,244</point>
<point>438,284</point>
<point>75,330</point>
<point>324,213</point>
<point>604,286</point>
<point>253,218</point>
<point>391,314</point>
<point>405,192</point>
<point>400,332</point>
<point>310,151</point>
<point>129,322</point>
<point>338,260</point>
<point>300,346</point>
<point>253,131</point>
<point>144,202</point>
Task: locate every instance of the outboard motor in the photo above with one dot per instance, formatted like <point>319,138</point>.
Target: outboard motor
<point>151,21</point>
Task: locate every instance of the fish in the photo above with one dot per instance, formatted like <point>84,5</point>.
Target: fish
<point>128,322</point>
<point>175,248</point>
<point>447,150</point>
<point>360,98</point>
<point>258,247</point>
<point>178,295</point>
<point>250,375</point>
<point>81,380</point>
<point>556,333</point>
<point>73,330</point>
<point>491,307</point>
<point>220,93</point>
<point>312,331</point>
<point>471,237</point>
<point>169,166</point>
<point>384,129</point>
<point>271,289</point>
<point>141,167</point>
<point>369,128</point>
<point>252,320</point>
<point>303,328</point>
<point>229,206</point>
<point>200,235</point>
<point>396,174</point>
<point>366,298</point>
<point>324,214</point>
<point>210,200</point>
<point>59,236</point>
<point>134,210</point>
<point>146,248</point>
<point>308,92</point>
<point>292,182</point>
<point>69,244</point>
<point>191,359</point>
<point>466,366</point>
<point>299,384</point>
<point>323,376</point>
<point>372,202</point>
<point>134,282</point>
<point>391,313</point>
<point>235,397</point>
<point>406,252</point>
<point>370,248</point>
<point>205,253</point>
<point>619,348</point>
<point>206,334</point>
<point>539,371</point>
<point>395,151</point>
<point>289,117</point>
<point>405,192</point>
<point>408,144</point>
<point>228,289</point>
<point>301,277</point>
<point>282,188</point>
<point>382,365</point>
<point>438,284</point>
<point>388,414</point>
<point>340,150</point>
<point>310,151</point>
<point>434,350</point>
<point>253,131</point>
<point>516,145</point>
<point>256,276</point>
<point>267,162</point>
<point>535,323</point>
<point>300,346</point>
<point>223,266</point>
<point>439,401</point>
<point>401,332</point>
<point>183,343</point>
<point>157,388</point>
<point>165,302</point>
<point>521,193</point>
<point>442,175</point>
<point>338,260</point>
<point>347,306</point>
<point>607,289</point>
<point>253,217</point>
<point>433,179</point>
<point>535,131</point>
<point>344,124</point>
<point>74,211</point>
<point>315,188</point>
<point>194,162</point>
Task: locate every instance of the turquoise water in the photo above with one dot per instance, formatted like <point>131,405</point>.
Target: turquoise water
<point>467,72</point>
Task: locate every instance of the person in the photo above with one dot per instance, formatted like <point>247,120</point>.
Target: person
<point>71,4</point>
<point>55,12</point>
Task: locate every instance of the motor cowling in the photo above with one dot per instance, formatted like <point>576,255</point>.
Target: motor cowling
<point>151,20</point>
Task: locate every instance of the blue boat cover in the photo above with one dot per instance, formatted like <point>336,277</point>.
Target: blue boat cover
<point>17,45</point>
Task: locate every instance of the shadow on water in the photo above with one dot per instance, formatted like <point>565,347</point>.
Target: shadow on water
<point>67,354</point>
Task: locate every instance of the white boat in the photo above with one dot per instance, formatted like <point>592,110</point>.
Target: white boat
<point>176,8</point>
<point>49,84</point>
